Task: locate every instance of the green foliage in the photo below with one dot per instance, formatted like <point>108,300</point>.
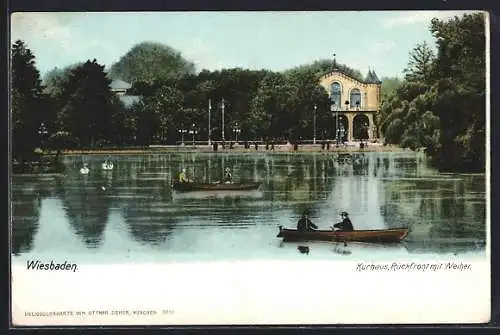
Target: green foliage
<point>421,64</point>
<point>324,66</point>
<point>88,105</point>
<point>29,104</point>
<point>441,103</point>
<point>55,79</point>
<point>151,62</point>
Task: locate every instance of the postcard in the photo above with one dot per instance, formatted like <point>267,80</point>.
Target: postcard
<point>246,168</point>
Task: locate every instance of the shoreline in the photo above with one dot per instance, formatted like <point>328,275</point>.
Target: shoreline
<point>306,148</point>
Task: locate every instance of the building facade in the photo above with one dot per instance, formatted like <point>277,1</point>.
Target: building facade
<point>354,103</point>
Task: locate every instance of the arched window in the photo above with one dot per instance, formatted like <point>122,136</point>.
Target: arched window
<point>355,98</point>
<point>335,94</point>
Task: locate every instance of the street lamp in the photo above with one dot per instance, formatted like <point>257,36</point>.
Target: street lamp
<point>346,108</point>
<point>182,131</point>
<point>314,124</point>
<point>193,132</point>
<point>42,132</point>
<point>365,131</point>
<point>236,130</point>
<point>332,108</point>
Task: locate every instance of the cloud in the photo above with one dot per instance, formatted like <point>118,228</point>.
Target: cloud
<point>47,27</point>
<point>418,17</point>
<point>56,36</point>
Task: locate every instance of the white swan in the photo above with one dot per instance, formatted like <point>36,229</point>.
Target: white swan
<point>107,165</point>
<point>85,169</point>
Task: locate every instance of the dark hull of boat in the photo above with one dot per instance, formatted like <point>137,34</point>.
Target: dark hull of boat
<point>382,235</point>
<point>192,187</point>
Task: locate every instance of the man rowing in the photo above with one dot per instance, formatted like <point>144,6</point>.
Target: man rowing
<point>305,224</point>
<point>345,224</point>
<point>228,177</point>
<point>183,178</point>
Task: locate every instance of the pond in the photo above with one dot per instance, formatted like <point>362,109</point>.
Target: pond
<point>132,214</point>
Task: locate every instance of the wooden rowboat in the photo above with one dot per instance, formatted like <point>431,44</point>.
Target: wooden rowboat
<point>378,235</point>
<point>190,187</point>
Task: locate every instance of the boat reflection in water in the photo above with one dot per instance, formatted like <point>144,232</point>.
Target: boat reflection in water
<point>359,250</point>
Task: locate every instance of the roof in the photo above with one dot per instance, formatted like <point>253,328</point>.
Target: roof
<point>371,77</point>
<point>118,84</point>
<point>129,100</point>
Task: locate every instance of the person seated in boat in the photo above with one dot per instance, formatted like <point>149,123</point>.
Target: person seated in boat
<point>345,224</point>
<point>183,178</point>
<point>228,177</point>
<point>305,224</point>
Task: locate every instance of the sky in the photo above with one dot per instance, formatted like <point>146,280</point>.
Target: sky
<point>275,41</point>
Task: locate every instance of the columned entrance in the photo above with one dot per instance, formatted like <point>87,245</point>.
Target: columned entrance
<point>360,127</point>
<point>355,126</point>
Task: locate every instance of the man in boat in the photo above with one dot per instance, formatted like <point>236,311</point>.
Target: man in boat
<point>305,224</point>
<point>228,177</point>
<point>182,177</point>
<point>345,224</point>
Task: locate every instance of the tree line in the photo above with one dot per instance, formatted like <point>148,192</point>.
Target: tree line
<point>74,107</point>
<point>440,105</point>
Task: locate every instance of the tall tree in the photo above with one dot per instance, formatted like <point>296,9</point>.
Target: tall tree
<point>89,104</point>
<point>421,63</point>
<point>28,104</point>
<point>149,62</point>
<point>460,102</point>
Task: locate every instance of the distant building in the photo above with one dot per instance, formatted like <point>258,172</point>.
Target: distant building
<point>121,88</point>
<point>354,102</point>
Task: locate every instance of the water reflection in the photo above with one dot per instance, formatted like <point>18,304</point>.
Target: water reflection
<point>445,212</point>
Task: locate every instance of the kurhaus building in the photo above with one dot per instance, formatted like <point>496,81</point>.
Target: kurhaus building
<point>354,103</point>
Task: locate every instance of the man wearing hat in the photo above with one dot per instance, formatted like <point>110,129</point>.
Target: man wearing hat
<point>228,177</point>
<point>305,224</point>
<point>345,224</point>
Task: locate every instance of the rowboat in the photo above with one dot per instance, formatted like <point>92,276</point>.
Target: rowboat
<point>190,187</point>
<point>377,235</point>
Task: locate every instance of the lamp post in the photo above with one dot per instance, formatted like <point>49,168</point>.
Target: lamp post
<point>193,132</point>
<point>347,108</point>
<point>365,131</point>
<point>209,124</point>
<point>42,132</point>
<point>236,130</point>
<point>333,109</point>
<point>314,124</point>
<point>182,131</point>
<point>223,140</point>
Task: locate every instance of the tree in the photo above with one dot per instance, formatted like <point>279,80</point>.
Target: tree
<point>55,79</point>
<point>28,104</point>
<point>460,102</point>
<point>441,103</point>
<point>421,64</point>
<point>89,105</point>
<point>156,115</point>
<point>149,62</point>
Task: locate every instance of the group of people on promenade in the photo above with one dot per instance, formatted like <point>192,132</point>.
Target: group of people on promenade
<point>305,224</point>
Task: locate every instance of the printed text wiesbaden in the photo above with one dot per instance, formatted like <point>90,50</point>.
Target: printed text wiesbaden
<point>52,266</point>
